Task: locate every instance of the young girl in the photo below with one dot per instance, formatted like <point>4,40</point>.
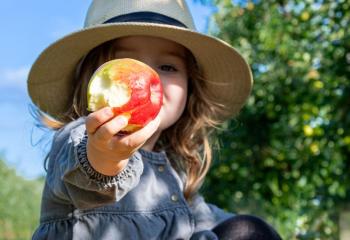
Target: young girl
<point>101,185</point>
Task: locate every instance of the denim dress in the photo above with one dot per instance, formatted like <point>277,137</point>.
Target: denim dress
<point>144,201</point>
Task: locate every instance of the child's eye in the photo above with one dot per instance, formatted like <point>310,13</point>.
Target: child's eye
<point>168,68</point>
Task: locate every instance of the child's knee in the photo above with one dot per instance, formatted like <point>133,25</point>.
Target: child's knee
<point>245,227</point>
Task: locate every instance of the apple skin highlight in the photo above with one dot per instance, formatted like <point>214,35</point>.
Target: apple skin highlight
<point>130,87</point>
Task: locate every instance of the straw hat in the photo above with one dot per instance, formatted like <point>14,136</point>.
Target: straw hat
<point>50,79</point>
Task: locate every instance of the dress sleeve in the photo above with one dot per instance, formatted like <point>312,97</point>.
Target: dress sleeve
<point>206,216</point>
<point>71,178</point>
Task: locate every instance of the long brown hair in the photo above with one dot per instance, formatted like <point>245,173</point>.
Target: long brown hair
<point>186,142</point>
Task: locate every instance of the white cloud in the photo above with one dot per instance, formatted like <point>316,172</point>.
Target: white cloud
<point>14,77</point>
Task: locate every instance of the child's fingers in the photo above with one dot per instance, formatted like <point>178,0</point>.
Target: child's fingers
<point>136,139</point>
<point>106,131</point>
<point>148,130</point>
<point>96,119</point>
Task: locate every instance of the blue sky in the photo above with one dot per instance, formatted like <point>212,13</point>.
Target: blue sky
<point>29,27</point>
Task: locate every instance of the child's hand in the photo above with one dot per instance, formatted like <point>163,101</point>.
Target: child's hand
<point>108,153</point>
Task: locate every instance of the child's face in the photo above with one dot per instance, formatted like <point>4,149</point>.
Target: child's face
<point>168,59</point>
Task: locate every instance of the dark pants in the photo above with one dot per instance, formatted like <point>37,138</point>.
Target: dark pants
<point>245,227</point>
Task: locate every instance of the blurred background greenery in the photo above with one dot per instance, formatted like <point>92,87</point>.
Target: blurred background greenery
<point>19,204</point>
<point>286,156</point>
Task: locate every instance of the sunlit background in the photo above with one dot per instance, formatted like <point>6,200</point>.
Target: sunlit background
<point>285,158</point>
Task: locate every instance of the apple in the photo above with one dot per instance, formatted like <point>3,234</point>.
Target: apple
<point>130,87</point>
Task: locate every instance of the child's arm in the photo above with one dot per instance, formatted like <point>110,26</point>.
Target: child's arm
<point>206,216</point>
<point>106,152</point>
<point>71,179</point>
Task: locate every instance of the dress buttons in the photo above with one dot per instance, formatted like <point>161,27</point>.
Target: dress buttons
<point>161,169</point>
<point>174,198</point>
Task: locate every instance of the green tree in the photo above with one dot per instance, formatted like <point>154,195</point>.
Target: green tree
<point>19,204</point>
<point>286,156</point>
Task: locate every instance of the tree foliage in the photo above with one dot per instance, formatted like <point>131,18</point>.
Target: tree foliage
<point>19,204</point>
<point>286,156</point>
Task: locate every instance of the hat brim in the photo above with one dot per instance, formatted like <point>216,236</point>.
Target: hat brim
<point>50,79</point>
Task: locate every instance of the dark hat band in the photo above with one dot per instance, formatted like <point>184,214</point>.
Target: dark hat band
<point>149,17</point>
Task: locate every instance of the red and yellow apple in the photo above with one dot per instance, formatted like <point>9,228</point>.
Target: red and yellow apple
<point>130,87</point>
